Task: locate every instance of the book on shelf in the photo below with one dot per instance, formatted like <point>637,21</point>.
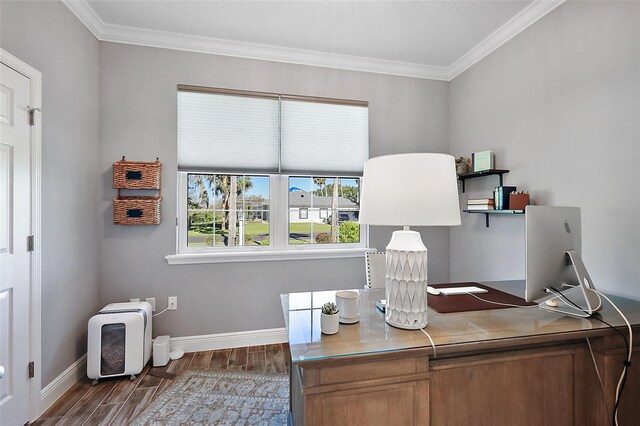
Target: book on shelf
<point>482,161</point>
<point>480,207</point>
<point>480,201</point>
<point>501,195</point>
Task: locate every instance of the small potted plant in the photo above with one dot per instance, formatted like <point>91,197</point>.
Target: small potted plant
<point>329,320</point>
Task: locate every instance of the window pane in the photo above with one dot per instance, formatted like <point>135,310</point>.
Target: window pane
<point>321,197</point>
<point>232,227</point>
<point>321,226</point>
<point>350,190</point>
<point>200,194</point>
<point>221,223</point>
<point>256,228</point>
<point>349,228</point>
<point>200,229</point>
<point>256,192</point>
<point>299,229</point>
<point>311,220</point>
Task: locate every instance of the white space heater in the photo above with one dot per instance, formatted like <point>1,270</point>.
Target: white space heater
<point>119,341</point>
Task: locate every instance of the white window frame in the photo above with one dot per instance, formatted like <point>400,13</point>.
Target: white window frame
<point>278,249</point>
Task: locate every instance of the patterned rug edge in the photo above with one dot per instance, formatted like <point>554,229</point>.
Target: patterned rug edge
<point>170,392</point>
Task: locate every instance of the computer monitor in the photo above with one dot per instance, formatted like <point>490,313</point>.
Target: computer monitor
<point>554,261</point>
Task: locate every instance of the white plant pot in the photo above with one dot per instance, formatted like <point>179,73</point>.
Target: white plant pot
<point>329,323</point>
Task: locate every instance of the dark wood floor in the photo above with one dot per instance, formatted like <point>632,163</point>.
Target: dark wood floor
<point>119,401</point>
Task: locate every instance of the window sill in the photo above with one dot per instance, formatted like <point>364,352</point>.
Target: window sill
<point>264,256</point>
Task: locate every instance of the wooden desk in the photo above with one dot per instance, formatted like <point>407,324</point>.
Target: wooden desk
<point>517,366</point>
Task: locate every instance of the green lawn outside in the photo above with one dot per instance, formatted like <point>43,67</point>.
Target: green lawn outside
<point>254,229</point>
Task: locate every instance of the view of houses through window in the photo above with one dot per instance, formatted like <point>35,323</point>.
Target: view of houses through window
<point>234,210</point>
<point>323,210</point>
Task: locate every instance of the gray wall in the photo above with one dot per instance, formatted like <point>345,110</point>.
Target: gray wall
<point>560,107</point>
<point>48,37</point>
<point>138,119</point>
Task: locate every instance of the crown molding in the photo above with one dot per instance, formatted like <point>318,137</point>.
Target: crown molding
<point>87,16</point>
<point>190,43</point>
<point>506,32</point>
<point>198,44</point>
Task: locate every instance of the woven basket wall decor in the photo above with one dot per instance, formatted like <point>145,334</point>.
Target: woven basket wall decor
<point>136,174</point>
<point>136,210</point>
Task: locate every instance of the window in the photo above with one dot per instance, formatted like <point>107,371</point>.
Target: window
<point>315,196</point>
<point>261,172</point>
<point>227,210</point>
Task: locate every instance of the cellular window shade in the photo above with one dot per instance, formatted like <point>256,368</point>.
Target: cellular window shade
<point>323,137</point>
<point>227,132</point>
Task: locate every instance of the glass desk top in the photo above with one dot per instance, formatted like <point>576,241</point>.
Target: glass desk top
<point>373,335</point>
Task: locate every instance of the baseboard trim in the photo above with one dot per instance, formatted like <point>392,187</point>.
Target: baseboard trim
<point>58,386</point>
<point>210,342</point>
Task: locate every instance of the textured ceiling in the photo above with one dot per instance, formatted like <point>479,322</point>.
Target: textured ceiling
<point>434,33</point>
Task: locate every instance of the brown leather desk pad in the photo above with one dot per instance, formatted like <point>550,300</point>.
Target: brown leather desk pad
<point>464,302</point>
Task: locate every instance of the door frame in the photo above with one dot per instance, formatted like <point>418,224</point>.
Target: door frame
<point>35,316</point>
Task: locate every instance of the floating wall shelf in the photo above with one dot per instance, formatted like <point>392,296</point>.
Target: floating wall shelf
<point>498,172</point>
<point>486,213</point>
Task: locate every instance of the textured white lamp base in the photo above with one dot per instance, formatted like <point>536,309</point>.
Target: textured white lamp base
<point>406,281</point>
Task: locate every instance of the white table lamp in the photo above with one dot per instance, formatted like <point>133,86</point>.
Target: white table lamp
<point>408,190</point>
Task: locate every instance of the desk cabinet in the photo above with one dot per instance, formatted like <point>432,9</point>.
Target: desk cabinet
<point>500,367</point>
<point>388,390</point>
<point>552,384</point>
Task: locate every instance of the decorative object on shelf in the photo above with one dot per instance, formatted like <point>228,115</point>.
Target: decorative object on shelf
<point>329,321</point>
<point>482,160</point>
<point>519,200</point>
<point>136,175</point>
<point>501,197</point>
<point>389,197</point>
<point>462,165</point>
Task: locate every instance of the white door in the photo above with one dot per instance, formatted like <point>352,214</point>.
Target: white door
<point>15,218</point>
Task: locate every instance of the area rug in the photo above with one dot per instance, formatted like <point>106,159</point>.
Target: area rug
<point>199,397</point>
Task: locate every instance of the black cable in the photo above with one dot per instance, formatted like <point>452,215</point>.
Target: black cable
<point>626,363</point>
<point>562,295</point>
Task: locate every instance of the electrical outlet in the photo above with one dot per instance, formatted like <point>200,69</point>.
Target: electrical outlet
<point>173,303</point>
<point>152,302</point>
<point>134,300</point>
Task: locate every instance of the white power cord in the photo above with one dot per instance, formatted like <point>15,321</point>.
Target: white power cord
<point>502,304</point>
<point>161,312</point>
<point>432,344</point>
<point>629,353</point>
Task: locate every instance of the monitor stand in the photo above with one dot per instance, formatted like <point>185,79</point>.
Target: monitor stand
<point>582,294</point>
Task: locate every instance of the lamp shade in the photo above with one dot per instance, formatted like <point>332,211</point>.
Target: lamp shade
<point>410,190</point>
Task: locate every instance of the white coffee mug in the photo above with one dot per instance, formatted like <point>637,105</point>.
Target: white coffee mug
<point>348,302</point>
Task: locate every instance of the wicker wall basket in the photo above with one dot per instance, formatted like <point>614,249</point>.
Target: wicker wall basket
<point>136,174</point>
<point>136,210</point>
